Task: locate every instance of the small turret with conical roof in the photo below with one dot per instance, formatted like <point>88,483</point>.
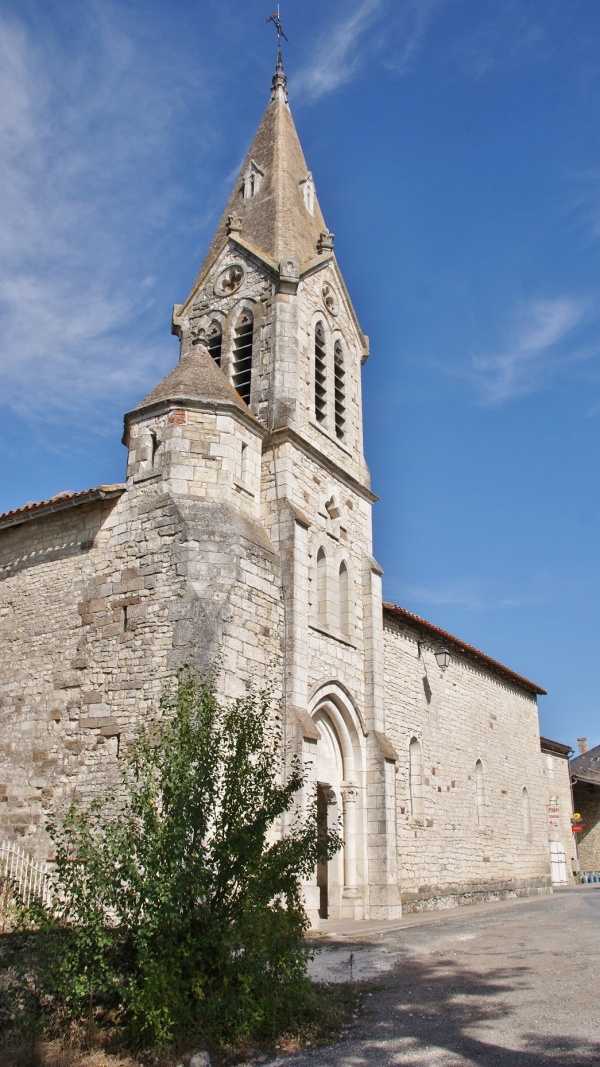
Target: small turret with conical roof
<point>194,433</point>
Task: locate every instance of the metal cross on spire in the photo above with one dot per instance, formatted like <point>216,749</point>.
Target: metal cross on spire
<point>279,79</point>
<point>275,19</point>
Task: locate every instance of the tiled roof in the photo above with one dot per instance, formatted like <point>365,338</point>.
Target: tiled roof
<point>464,648</point>
<point>547,745</point>
<point>59,503</point>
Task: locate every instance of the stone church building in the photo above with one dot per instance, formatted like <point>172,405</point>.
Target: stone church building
<point>244,528</point>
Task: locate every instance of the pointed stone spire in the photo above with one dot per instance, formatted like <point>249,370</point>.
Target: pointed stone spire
<point>273,205</point>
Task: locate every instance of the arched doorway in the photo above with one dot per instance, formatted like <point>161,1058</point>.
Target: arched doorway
<point>337,764</point>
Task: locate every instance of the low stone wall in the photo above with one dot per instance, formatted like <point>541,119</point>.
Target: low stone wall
<point>432,898</point>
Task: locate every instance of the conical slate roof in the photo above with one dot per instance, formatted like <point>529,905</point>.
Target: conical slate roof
<point>275,219</point>
<point>196,377</point>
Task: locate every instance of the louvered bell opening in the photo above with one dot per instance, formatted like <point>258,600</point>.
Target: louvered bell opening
<point>339,390</point>
<point>215,340</point>
<point>242,358</point>
<point>320,375</point>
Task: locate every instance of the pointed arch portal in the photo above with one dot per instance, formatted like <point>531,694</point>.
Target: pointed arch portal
<point>337,771</point>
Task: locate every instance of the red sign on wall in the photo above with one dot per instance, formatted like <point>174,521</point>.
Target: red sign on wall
<point>577,829</point>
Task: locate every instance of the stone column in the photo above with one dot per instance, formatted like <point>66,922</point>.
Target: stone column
<point>350,797</point>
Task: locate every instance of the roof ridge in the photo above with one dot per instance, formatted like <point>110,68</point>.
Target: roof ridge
<point>63,498</point>
<point>464,647</point>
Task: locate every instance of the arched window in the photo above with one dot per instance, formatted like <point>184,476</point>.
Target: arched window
<point>322,587</point>
<point>415,780</point>
<point>251,181</point>
<point>480,798</point>
<point>308,192</point>
<point>320,374</point>
<point>242,355</point>
<point>344,599</point>
<point>526,813</point>
<point>215,341</point>
<point>339,388</point>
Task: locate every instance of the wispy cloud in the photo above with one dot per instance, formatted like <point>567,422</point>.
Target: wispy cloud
<point>373,27</point>
<point>505,35</point>
<point>84,127</point>
<point>469,594</point>
<point>542,339</point>
<point>481,593</point>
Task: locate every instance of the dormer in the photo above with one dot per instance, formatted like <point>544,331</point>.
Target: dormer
<point>251,180</point>
<point>307,186</point>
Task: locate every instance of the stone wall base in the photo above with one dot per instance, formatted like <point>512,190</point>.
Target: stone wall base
<point>434,898</point>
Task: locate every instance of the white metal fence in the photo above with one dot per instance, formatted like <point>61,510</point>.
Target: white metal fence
<point>19,870</point>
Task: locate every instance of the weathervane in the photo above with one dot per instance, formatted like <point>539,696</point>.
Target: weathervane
<point>279,79</point>
<point>275,19</point>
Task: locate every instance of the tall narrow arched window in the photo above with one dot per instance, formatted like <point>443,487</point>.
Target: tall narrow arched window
<point>320,374</point>
<point>415,780</point>
<point>340,389</point>
<point>526,813</point>
<point>480,797</point>
<point>322,587</point>
<point>242,355</point>
<point>215,341</point>
<point>344,599</point>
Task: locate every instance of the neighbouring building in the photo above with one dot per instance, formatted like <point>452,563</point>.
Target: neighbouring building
<point>559,798</point>
<point>244,528</point>
<point>585,777</point>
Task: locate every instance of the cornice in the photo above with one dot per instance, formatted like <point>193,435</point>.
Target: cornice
<point>286,434</point>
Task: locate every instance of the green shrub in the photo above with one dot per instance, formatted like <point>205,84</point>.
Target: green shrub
<point>180,911</point>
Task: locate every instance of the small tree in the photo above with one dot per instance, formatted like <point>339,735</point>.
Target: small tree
<point>182,909</point>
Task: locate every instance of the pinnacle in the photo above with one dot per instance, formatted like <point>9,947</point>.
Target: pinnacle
<point>279,83</point>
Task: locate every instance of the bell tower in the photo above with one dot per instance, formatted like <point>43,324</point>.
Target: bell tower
<point>270,309</point>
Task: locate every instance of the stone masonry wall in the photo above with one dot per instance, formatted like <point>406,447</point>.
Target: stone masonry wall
<point>586,799</point>
<point>460,716</point>
<point>99,607</point>
<point>557,785</point>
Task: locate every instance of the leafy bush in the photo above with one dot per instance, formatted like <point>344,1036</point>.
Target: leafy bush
<point>180,911</point>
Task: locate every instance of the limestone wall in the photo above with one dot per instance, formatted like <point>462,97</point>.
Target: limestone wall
<point>455,847</point>
<point>557,784</point>
<point>99,607</point>
<point>586,799</point>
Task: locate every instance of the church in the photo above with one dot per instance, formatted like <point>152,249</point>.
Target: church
<point>243,529</point>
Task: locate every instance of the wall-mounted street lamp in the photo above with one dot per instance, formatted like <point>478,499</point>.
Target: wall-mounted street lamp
<point>442,656</point>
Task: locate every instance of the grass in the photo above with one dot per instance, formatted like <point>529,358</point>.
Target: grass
<point>326,1013</point>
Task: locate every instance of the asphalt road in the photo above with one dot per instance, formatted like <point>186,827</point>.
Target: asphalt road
<point>497,986</point>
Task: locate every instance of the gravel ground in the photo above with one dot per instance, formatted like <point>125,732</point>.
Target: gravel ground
<point>496,986</point>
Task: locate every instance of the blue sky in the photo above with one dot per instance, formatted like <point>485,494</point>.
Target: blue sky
<point>455,149</point>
